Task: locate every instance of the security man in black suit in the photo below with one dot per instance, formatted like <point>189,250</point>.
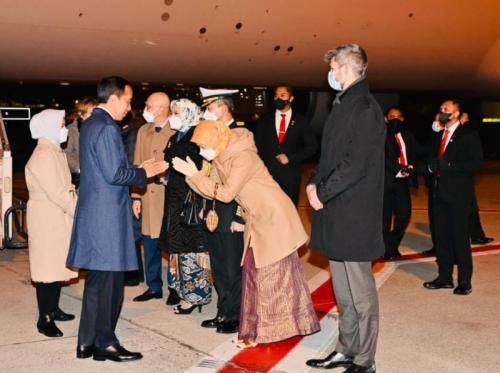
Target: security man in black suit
<point>284,140</point>
<point>455,155</point>
<point>476,232</point>
<point>401,150</point>
<point>226,243</point>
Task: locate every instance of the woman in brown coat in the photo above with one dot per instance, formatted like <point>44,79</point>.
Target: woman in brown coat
<point>276,303</point>
<point>51,206</point>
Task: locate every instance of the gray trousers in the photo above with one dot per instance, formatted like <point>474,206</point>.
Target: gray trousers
<point>357,300</point>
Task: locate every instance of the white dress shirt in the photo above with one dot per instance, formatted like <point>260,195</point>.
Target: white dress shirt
<point>288,117</point>
<point>451,131</point>
<point>402,150</point>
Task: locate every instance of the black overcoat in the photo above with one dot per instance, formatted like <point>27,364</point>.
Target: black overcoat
<point>350,179</point>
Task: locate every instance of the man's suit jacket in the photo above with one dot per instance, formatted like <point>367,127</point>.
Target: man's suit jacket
<point>350,178</point>
<point>102,237</point>
<point>299,144</point>
<point>227,212</point>
<point>392,166</point>
<point>151,144</point>
<point>463,157</point>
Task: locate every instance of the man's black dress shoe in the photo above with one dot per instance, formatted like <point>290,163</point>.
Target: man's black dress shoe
<point>481,240</point>
<point>228,326</point>
<point>47,327</point>
<point>354,368</point>
<point>147,295</point>
<point>173,298</point>
<point>213,323</point>
<point>83,352</point>
<point>392,256</point>
<point>430,252</point>
<point>463,289</point>
<point>115,352</point>
<point>334,360</point>
<point>60,315</point>
<point>438,284</point>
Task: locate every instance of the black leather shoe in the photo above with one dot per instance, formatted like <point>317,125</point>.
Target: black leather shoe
<point>354,368</point>
<point>438,284</point>
<point>430,252</point>
<point>228,326</point>
<point>84,352</point>
<point>334,360</point>
<point>117,353</point>
<point>481,240</point>
<point>463,289</point>
<point>213,323</point>
<point>147,295</point>
<point>60,315</point>
<point>47,327</point>
<point>173,298</point>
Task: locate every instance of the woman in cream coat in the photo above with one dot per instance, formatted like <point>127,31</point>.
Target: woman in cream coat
<point>51,206</point>
<point>276,303</point>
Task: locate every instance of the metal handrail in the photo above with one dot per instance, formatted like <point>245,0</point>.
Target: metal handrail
<point>18,220</point>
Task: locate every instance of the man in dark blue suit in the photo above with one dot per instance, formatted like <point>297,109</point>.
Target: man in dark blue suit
<point>102,241</point>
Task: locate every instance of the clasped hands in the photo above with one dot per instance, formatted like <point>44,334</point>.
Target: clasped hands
<point>186,167</point>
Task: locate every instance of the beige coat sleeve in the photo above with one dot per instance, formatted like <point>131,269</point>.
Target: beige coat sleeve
<point>238,175</point>
<point>46,173</point>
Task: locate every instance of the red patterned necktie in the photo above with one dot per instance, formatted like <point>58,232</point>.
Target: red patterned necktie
<point>402,160</point>
<point>442,147</point>
<point>282,131</point>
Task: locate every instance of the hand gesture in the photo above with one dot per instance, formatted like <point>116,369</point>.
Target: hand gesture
<point>186,167</point>
<point>153,167</point>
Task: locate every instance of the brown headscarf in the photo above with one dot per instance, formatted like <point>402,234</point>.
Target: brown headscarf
<point>212,134</point>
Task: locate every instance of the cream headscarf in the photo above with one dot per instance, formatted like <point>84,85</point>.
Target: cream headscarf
<point>190,113</point>
<point>47,125</point>
<point>212,134</point>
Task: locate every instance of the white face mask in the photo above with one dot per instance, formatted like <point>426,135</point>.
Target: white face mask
<point>335,84</point>
<point>149,117</point>
<point>208,153</point>
<point>175,122</point>
<point>436,127</point>
<point>208,115</point>
<point>63,135</point>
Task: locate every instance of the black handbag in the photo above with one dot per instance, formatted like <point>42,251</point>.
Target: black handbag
<point>192,210</point>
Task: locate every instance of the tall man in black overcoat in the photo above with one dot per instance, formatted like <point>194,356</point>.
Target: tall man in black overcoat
<point>347,196</point>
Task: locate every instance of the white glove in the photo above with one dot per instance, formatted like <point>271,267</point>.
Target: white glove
<point>186,167</point>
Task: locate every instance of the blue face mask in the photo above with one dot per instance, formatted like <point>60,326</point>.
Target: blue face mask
<point>333,82</point>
